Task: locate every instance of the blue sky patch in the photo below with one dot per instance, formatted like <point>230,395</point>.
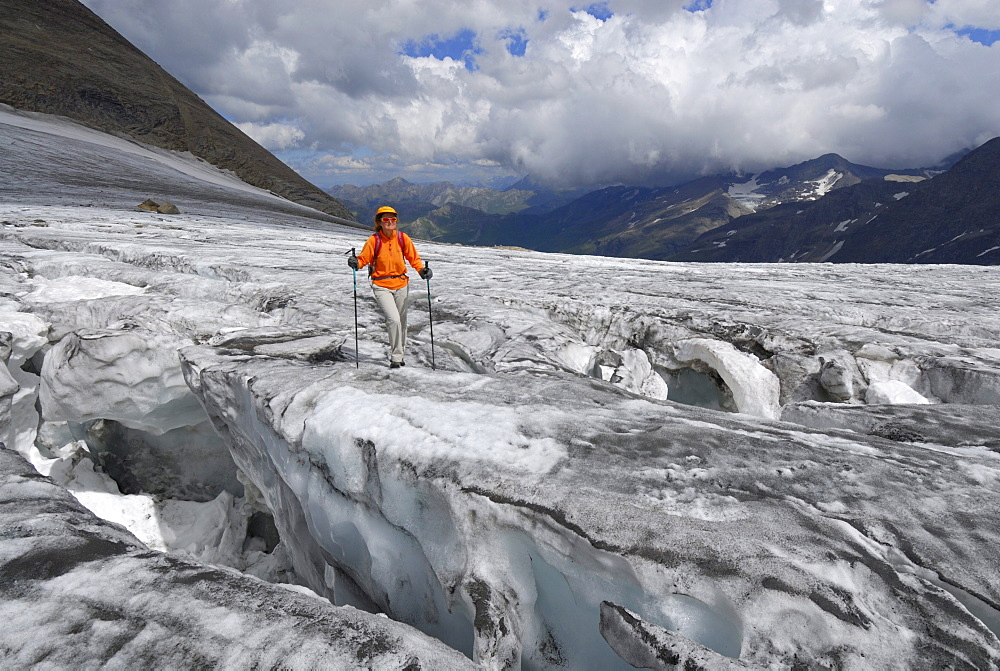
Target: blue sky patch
<point>981,35</point>
<point>516,41</point>
<point>460,47</point>
<point>699,5</point>
<point>599,10</point>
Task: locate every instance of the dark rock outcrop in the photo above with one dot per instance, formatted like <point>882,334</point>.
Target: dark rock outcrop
<point>162,208</point>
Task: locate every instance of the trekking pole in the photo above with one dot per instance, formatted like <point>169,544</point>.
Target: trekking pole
<point>430,316</point>
<point>357,356</point>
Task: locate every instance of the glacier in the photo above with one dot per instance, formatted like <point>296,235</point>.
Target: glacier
<point>615,462</point>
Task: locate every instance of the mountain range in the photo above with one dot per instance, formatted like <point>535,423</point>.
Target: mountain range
<point>825,209</point>
<point>58,57</point>
<point>525,196</point>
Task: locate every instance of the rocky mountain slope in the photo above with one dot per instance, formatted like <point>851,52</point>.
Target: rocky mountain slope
<point>953,218</point>
<point>950,218</point>
<point>796,231</point>
<point>60,58</point>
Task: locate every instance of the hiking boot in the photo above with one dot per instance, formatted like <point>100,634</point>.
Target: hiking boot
<point>396,364</point>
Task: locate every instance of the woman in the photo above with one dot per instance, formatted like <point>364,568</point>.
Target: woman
<point>386,254</point>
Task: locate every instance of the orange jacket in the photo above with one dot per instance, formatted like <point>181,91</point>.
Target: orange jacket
<point>390,261</point>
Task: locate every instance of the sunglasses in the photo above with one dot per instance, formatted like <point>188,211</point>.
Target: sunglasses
<point>388,219</point>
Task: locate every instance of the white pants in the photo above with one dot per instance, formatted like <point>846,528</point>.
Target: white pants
<point>393,304</point>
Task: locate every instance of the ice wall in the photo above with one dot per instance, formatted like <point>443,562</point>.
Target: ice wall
<point>386,512</point>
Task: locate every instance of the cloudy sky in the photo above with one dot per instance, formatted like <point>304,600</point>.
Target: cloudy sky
<point>361,91</point>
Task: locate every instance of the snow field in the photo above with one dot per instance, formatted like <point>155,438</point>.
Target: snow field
<point>502,501</point>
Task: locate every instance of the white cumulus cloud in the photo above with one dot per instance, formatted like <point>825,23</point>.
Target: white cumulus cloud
<point>634,90</point>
